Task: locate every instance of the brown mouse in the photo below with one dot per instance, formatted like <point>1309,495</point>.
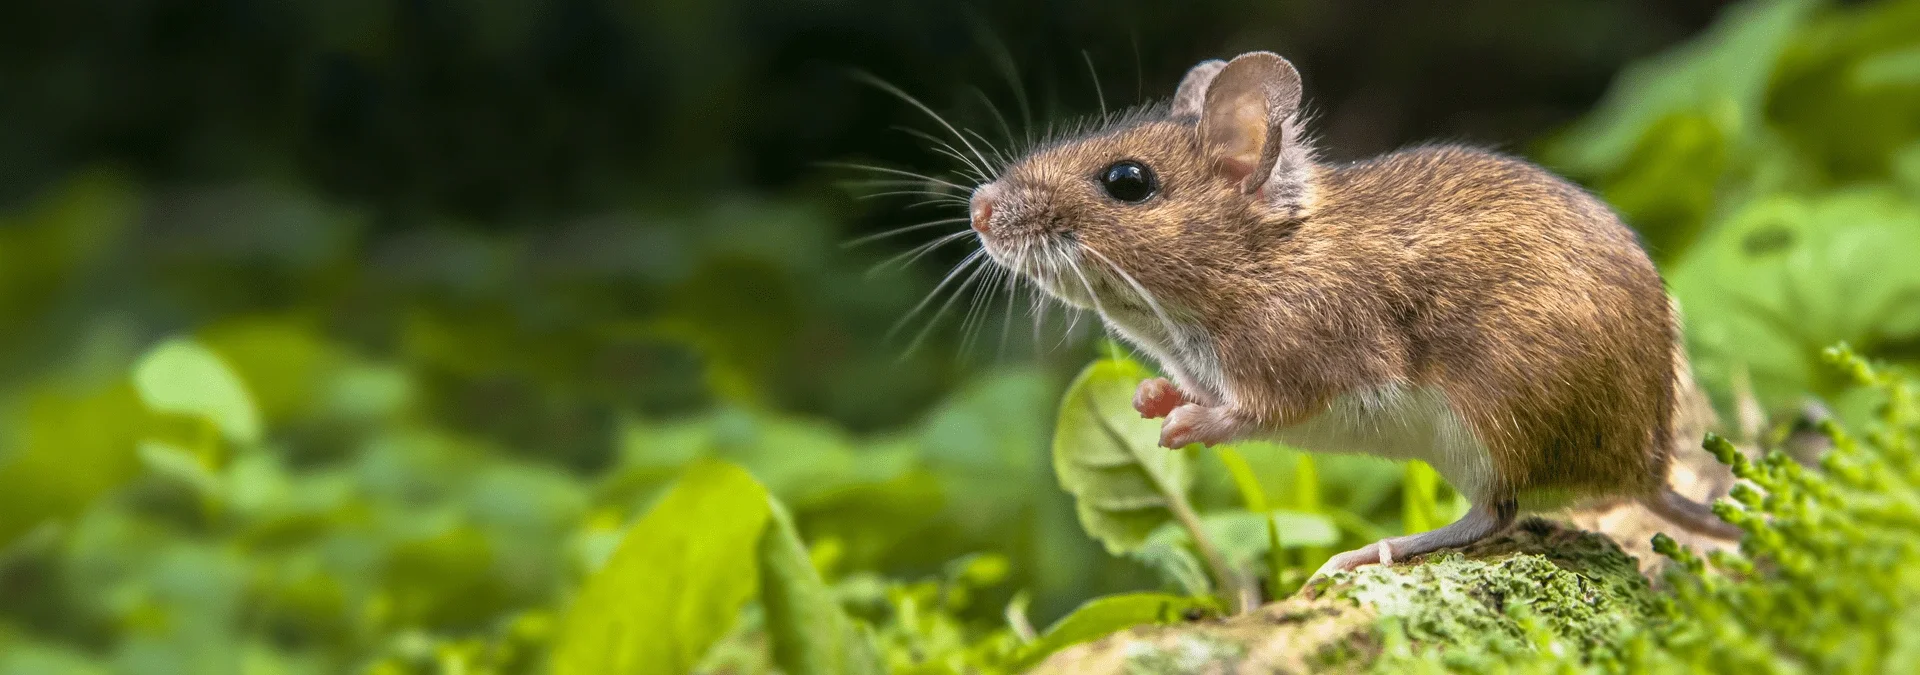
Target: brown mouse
<point>1440,303</point>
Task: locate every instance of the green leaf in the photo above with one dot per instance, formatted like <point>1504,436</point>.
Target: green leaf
<point>1723,76</point>
<point>811,633</point>
<point>1244,535</point>
<point>676,582</point>
<point>1420,498</point>
<point>1102,616</point>
<point>1106,456</point>
<point>181,376</point>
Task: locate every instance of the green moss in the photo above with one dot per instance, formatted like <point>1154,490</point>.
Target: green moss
<point>1543,587</point>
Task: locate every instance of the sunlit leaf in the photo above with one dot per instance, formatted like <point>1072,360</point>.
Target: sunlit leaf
<point>1106,455</point>
<point>675,584</point>
<point>181,376</point>
<point>811,634</point>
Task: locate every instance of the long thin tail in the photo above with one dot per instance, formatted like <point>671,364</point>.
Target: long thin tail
<point>1692,416</point>
<point>1694,516</point>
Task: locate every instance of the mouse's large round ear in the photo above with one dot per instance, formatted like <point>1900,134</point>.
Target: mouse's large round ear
<point>1244,114</point>
<point>1192,93</point>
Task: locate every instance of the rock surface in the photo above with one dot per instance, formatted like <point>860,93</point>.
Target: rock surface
<point>1543,584</point>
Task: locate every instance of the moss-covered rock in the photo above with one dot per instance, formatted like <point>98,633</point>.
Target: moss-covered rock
<point>1542,586</point>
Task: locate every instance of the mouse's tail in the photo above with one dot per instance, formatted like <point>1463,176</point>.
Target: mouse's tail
<point>1691,417</point>
<point>1693,516</point>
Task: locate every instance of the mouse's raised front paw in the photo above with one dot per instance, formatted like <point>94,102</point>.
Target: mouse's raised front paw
<point>1192,423</point>
<point>1156,397</point>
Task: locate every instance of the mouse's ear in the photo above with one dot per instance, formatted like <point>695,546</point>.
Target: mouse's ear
<point>1192,93</point>
<point>1245,116</point>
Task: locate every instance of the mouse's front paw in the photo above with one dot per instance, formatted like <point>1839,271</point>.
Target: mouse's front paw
<point>1192,423</point>
<point>1156,398</point>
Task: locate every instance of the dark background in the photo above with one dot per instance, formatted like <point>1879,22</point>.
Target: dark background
<point>436,121</point>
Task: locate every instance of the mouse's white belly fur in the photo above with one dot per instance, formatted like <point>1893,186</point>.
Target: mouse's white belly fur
<point>1391,421</point>
<point>1399,422</point>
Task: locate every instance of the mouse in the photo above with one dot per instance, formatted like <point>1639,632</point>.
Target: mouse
<point>1443,303</point>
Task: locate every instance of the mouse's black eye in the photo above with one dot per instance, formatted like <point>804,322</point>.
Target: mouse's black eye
<point>1129,181</point>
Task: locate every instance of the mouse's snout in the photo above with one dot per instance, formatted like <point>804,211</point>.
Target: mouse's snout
<point>980,207</point>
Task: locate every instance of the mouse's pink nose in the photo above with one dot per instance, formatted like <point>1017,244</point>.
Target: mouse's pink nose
<point>981,206</point>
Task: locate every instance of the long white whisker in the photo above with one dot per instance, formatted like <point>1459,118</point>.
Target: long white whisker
<point>937,197</point>
<point>974,319</point>
<point>898,172</point>
<point>1091,296</point>
<point>917,252</point>
<point>958,268</point>
<point>1173,334</point>
<point>999,155</point>
<point>974,170</point>
<point>1003,61</point>
<point>1097,91</point>
<point>1005,129</point>
<point>904,96</point>
<point>901,230</point>
<point>947,306</point>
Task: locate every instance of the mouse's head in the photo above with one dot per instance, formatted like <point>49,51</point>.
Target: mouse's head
<point>1151,209</point>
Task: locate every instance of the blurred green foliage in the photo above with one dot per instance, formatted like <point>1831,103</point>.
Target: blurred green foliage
<point>333,375</point>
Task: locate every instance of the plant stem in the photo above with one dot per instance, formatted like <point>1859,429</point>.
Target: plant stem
<point>1230,583</point>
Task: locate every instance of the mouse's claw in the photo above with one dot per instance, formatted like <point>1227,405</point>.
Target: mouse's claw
<point>1192,423</point>
<point>1380,553</point>
<point>1156,397</point>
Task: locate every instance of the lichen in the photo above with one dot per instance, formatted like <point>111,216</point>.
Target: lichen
<point>1185,654</point>
<point>1541,588</point>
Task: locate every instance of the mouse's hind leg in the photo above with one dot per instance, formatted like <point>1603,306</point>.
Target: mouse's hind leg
<point>1480,522</point>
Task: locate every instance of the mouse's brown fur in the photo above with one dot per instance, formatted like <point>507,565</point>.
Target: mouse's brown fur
<point>1269,285</point>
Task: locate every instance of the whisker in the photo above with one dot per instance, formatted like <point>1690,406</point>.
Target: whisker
<point>1006,318</point>
<point>961,203</point>
<point>888,87</point>
<point>1173,333</point>
<point>930,193</point>
<point>884,182</point>
<point>958,268</point>
<point>974,319</point>
<point>948,305</point>
<point>1097,92</point>
<point>1005,129</point>
<point>900,230</point>
<point>977,172</point>
<point>1091,296</point>
<point>1139,78</point>
<point>998,154</point>
<point>917,252</point>
<point>1002,59</point>
<point>897,172</point>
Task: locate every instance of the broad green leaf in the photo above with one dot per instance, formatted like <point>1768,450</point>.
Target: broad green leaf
<point>1102,616</point>
<point>810,632</point>
<point>181,376</point>
<point>178,464</point>
<point>1107,457</point>
<point>676,582</point>
<point>1785,276</point>
<point>1724,76</point>
<point>63,451</point>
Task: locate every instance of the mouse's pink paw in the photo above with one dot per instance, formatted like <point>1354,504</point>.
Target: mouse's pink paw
<point>1192,423</point>
<point>1377,553</point>
<point>1156,397</point>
